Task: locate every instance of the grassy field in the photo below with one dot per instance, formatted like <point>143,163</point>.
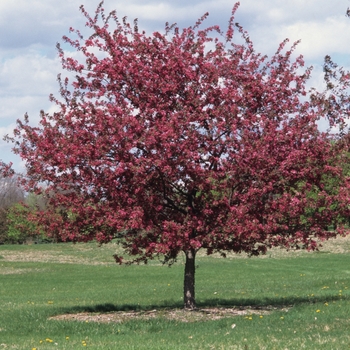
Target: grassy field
<point>64,296</point>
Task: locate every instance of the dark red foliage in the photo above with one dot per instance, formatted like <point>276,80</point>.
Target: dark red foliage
<point>6,170</point>
<point>185,140</point>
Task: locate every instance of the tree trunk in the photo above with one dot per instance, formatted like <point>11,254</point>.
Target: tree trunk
<point>189,299</point>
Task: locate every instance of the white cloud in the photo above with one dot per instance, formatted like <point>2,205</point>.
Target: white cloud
<point>29,73</point>
<point>319,38</point>
<point>320,25</point>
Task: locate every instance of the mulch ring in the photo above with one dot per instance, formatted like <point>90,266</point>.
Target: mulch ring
<point>170,314</point>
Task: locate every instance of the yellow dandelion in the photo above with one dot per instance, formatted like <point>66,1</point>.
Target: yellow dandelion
<point>261,316</point>
<point>67,338</point>
<point>318,310</point>
<point>282,318</point>
<point>49,340</point>
<point>326,304</point>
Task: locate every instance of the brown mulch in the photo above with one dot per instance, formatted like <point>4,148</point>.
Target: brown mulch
<point>181,315</point>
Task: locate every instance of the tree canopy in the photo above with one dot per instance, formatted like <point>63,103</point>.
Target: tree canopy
<point>186,140</point>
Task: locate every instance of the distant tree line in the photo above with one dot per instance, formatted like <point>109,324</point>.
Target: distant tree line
<point>16,209</point>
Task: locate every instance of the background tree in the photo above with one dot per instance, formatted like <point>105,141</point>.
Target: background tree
<point>185,140</point>
<point>10,194</point>
<point>22,225</point>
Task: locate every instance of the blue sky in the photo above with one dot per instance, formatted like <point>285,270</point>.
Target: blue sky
<point>29,30</point>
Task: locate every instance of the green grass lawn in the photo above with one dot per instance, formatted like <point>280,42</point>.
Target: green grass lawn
<point>304,300</point>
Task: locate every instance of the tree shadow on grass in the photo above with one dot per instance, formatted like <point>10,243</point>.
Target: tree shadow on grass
<point>264,302</point>
<point>108,307</point>
<point>276,303</point>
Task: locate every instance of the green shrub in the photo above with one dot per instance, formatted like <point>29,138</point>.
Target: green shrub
<point>19,226</point>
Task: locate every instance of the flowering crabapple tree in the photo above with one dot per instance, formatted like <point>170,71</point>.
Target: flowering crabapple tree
<point>6,170</point>
<point>184,140</point>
